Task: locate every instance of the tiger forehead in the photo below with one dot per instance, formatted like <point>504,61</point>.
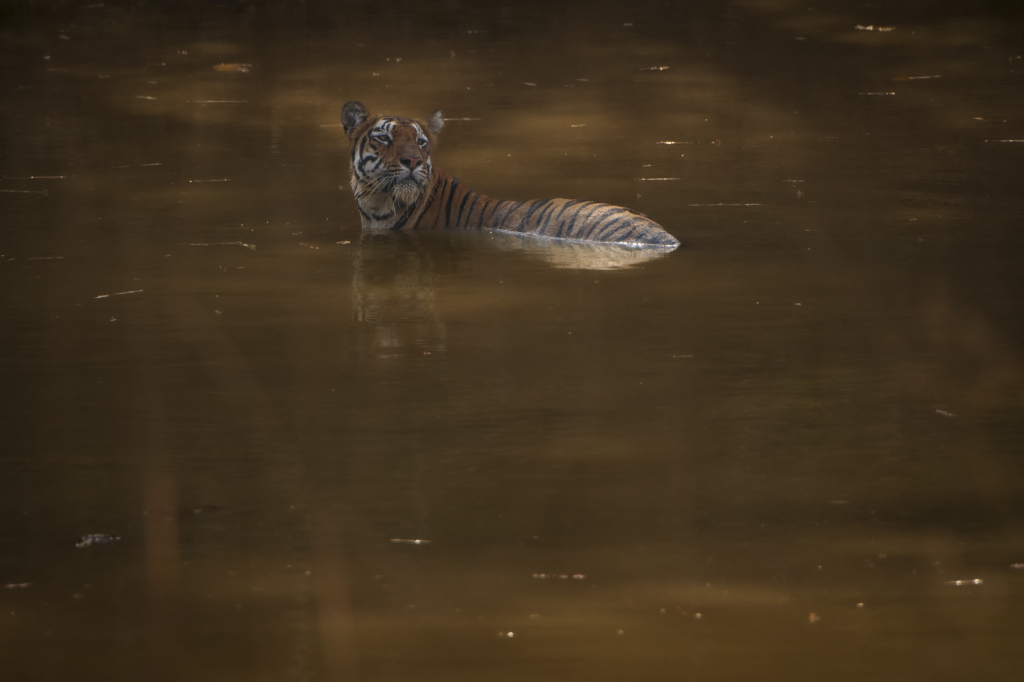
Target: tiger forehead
<point>391,124</point>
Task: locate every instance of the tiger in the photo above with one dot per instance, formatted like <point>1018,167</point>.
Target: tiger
<point>397,187</point>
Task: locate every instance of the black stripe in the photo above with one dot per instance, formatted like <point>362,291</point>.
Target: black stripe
<point>561,224</point>
<point>533,207</point>
<point>361,163</point>
<point>635,232</point>
<point>568,228</point>
<point>544,226</point>
<point>476,198</point>
<point>542,219</point>
<point>492,205</point>
<point>440,192</point>
<point>600,220</point>
<point>462,207</point>
<point>448,208</point>
<point>558,217</point>
<point>630,234</point>
<point>362,148</point>
<point>630,219</point>
<point>408,214</point>
<point>598,235</point>
<point>611,226</point>
<point>498,208</point>
<point>512,206</point>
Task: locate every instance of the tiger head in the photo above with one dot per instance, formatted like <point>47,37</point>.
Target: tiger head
<point>390,158</point>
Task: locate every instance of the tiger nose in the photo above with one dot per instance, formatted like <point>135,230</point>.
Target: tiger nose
<point>412,162</point>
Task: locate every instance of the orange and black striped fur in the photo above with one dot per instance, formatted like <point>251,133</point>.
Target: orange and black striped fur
<point>397,188</point>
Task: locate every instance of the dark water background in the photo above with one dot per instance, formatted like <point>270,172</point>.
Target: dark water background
<point>771,454</point>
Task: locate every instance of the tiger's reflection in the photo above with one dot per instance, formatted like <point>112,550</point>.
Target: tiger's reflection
<point>577,255</point>
<point>394,291</point>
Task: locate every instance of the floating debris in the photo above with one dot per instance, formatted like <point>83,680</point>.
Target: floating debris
<point>35,177</point>
<point>218,101</point>
<point>141,165</point>
<point>559,576</point>
<point>913,78</point>
<point>671,142</point>
<point>217,180</point>
<point>248,246</point>
<point>682,356</point>
<point>46,258</point>
<point>465,118</point>
<point>532,85</point>
<point>308,246</point>
<point>655,68</point>
<point>119,293</point>
<point>577,125</point>
<point>692,205</point>
<point>25,191</point>
<point>144,97</point>
<point>1004,140</point>
<point>875,94</point>
<point>944,413</point>
<point>96,539</point>
<point>656,179</point>
<point>813,618</point>
<point>17,586</point>
<point>403,541</point>
<point>871,27</point>
<point>961,583</point>
<point>238,68</point>
<point>345,241</point>
<point>1017,567</point>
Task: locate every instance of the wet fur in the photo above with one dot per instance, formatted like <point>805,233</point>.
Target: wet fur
<point>397,187</point>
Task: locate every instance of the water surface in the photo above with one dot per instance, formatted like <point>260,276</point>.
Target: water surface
<point>788,450</point>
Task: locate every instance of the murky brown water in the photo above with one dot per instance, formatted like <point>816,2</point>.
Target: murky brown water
<point>789,450</point>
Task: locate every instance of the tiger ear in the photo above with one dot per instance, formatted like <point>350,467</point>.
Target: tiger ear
<point>435,121</point>
<point>352,115</point>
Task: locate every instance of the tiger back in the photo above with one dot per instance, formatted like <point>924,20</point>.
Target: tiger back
<point>397,187</point>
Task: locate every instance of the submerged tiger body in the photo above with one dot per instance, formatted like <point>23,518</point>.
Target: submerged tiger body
<point>397,187</point>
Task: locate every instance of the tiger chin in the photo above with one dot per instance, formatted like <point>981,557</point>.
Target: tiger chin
<point>397,187</point>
